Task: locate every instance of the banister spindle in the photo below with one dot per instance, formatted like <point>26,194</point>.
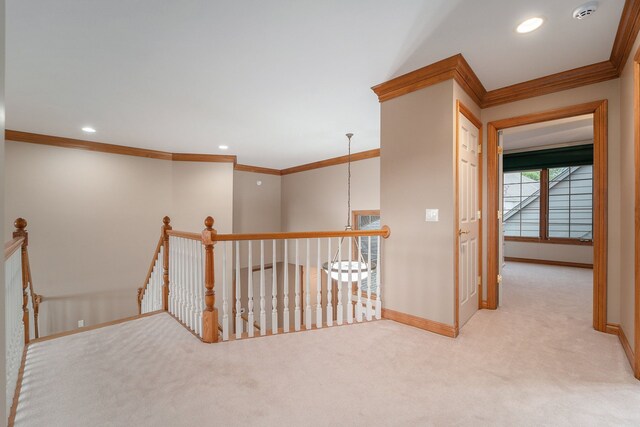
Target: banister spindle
<point>250,316</point>
<point>307,288</point>
<point>225,314</point>
<point>297,314</point>
<point>285,311</point>
<point>349,285</point>
<point>369,278</point>
<point>339,308</point>
<point>210,314</point>
<point>21,225</point>
<point>239,326</point>
<point>318,287</point>
<point>329,285</point>
<point>359,283</point>
<point>274,290</point>
<point>379,280</point>
<point>263,312</point>
<point>166,226</point>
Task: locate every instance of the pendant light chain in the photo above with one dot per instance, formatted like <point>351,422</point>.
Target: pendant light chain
<point>349,135</point>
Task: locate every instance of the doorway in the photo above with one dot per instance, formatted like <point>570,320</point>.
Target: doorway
<point>598,110</point>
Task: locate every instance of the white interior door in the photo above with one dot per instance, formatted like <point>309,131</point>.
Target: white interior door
<point>469,218</point>
<point>500,221</point>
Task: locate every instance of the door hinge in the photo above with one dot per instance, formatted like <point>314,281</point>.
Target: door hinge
<point>499,215</point>
<point>479,280</point>
<point>479,214</point>
<point>499,150</point>
<point>479,148</point>
<point>499,278</point>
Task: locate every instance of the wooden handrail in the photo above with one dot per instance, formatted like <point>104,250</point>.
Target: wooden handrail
<point>11,246</point>
<point>185,234</point>
<point>143,288</point>
<point>384,232</point>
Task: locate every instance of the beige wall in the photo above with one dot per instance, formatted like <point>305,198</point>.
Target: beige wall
<point>94,220</point>
<point>627,249</point>
<point>607,90</point>
<point>317,199</point>
<point>550,252</point>
<point>256,208</point>
<point>416,172</point>
<point>3,236</point>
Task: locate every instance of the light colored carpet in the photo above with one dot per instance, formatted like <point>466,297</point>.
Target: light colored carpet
<point>536,361</point>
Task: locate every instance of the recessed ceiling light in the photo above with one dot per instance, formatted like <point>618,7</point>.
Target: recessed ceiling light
<point>89,129</point>
<point>529,25</point>
<point>223,147</point>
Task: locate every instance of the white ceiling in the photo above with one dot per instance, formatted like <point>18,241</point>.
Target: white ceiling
<point>278,81</point>
<point>567,131</point>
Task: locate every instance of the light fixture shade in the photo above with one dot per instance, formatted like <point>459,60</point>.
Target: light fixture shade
<point>340,270</point>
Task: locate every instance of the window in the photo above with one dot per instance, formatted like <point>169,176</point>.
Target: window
<point>571,202</point>
<point>551,204</point>
<point>368,220</point>
<point>521,203</point>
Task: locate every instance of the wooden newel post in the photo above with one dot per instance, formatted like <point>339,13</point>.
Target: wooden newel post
<point>165,262</point>
<point>21,225</point>
<point>210,313</point>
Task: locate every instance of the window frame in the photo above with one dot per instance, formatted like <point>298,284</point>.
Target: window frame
<point>354,226</point>
<point>544,223</point>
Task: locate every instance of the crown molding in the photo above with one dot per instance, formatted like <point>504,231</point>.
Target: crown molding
<point>457,68</point>
<point>257,169</point>
<point>626,35</point>
<point>79,144</point>
<point>582,76</point>
<point>454,67</point>
<point>58,141</point>
<point>363,155</point>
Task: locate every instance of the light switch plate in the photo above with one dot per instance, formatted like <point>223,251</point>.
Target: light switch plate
<point>431,215</point>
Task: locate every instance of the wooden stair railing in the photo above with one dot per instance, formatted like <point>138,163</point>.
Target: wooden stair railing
<point>188,280</point>
<point>18,292</point>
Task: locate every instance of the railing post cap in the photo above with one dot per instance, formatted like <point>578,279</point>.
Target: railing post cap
<point>20,223</point>
<point>166,220</point>
<point>208,222</point>
<point>387,231</point>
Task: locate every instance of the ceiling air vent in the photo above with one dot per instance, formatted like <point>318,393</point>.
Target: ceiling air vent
<point>585,10</point>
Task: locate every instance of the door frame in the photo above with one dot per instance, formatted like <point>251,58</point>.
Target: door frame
<point>466,112</point>
<point>636,137</point>
<point>600,131</point>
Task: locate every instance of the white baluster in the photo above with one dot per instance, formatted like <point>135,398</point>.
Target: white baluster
<point>359,284</point>
<point>329,285</point>
<point>318,289</point>
<point>239,325</point>
<point>369,278</point>
<point>379,277</point>
<point>263,312</point>
<point>297,314</point>
<point>339,308</point>
<point>285,311</point>
<point>274,291</point>
<point>349,286</point>
<point>307,289</point>
<point>172,272</point>
<point>225,314</point>
<point>250,328</point>
<point>190,283</point>
<point>183,279</point>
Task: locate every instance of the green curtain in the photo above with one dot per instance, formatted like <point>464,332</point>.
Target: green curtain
<point>553,158</point>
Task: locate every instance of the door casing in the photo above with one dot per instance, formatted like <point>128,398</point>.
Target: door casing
<point>600,132</point>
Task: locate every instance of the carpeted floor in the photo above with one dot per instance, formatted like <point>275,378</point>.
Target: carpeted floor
<point>536,361</point>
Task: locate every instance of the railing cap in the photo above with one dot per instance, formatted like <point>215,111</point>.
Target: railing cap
<point>20,224</point>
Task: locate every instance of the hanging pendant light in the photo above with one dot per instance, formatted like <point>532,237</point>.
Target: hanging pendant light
<point>345,270</point>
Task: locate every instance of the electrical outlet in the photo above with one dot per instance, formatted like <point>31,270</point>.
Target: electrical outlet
<point>431,215</point>
<point>80,323</point>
